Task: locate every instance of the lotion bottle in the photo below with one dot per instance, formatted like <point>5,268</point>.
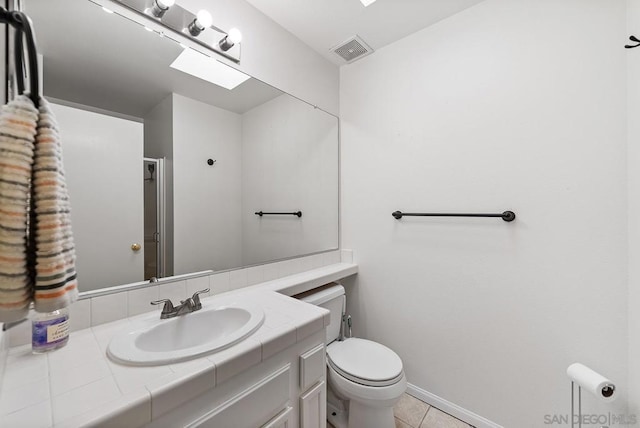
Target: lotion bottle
<point>50,331</point>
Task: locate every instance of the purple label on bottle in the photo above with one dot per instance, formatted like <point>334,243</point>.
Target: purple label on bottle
<point>50,333</point>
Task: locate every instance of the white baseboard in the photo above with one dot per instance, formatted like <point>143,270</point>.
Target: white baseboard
<point>450,408</point>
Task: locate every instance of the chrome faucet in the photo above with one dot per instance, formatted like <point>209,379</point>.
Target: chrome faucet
<point>187,306</point>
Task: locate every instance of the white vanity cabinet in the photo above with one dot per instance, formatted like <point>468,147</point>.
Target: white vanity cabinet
<point>313,401</point>
<point>313,407</point>
<point>283,420</point>
<point>253,406</point>
<point>288,390</point>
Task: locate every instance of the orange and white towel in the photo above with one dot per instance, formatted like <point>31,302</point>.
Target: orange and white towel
<point>29,170</point>
<point>17,136</point>
<point>56,286</point>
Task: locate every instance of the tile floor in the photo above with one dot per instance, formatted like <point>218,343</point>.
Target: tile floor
<point>413,413</point>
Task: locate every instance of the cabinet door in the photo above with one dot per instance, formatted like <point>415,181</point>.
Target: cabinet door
<point>252,407</point>
<point>283,420</point>
<point>312,366</point>
<point>313,407</point>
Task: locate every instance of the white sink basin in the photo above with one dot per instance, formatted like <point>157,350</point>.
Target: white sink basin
<point>156,341</point>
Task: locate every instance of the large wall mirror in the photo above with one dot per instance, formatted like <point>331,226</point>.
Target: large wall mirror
<point>166,169</point>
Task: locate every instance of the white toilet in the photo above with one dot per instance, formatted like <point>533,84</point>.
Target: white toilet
<point>365,378</point>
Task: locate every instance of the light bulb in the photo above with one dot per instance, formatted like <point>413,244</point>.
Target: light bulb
<point>234,36</point>
<point>160,7</point>
<point>204,19</point>
<point>227,42</point>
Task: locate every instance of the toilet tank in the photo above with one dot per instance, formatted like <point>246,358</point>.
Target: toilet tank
<point>330,297</point>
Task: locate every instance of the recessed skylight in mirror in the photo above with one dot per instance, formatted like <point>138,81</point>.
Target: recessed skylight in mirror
<point>207,68</point>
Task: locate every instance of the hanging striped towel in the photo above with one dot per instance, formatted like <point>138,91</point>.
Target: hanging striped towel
<point>56,286</point>
<point>17,134</point>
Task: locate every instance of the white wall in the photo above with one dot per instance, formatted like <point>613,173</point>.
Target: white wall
<point>289,163</point>
<point>158,143</point>
<point>633,104</point>
<point>207,200</point>
<point>272,54</point>
<point>507,105</point>
<point>103,170</point>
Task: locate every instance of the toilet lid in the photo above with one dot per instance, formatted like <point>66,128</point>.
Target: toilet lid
<point>365,362</point>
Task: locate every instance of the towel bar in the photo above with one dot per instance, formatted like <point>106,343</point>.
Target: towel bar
<point>506,216</point>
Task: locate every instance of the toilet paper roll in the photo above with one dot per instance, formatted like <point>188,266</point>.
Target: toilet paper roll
<point>592,381</point>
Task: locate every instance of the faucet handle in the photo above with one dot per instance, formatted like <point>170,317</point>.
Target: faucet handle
<point>168,305</point>
<point>196,298</point>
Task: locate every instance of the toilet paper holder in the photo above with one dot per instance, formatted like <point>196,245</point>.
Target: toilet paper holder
<point>593,382</point>
<point>607,391</point>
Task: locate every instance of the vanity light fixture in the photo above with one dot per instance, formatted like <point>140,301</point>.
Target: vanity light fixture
<point>234,36</point>
<point>160,7</point>
<point>203,20</point>
<point>186,28</point>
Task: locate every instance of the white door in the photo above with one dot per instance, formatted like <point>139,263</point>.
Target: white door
<point>102,160</point>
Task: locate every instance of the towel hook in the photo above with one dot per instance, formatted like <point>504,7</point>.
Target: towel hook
<point>22,24</point>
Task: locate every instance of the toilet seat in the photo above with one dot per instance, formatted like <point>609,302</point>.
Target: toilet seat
<point>365,362</point>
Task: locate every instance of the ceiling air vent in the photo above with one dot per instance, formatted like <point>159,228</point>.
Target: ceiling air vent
<point>352,49</point>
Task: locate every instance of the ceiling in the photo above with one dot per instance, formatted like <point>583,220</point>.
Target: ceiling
<point>106,61</point>
<point>322,24</point>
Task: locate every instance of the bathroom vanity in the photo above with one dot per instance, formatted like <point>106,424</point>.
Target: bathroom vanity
<point>285,385</point>
<point>276,377</point>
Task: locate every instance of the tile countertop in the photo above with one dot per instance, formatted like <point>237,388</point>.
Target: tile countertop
<point>308,280</point>
<point>79,386</point>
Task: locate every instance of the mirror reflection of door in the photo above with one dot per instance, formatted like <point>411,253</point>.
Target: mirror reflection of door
<point>102,156</point>
<point>153,218</point>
